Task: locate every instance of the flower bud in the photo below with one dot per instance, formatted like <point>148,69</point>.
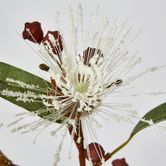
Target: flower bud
<point>119,162</point>
<point>94,152</point>
<point>44,67</point>
<point>89,53</point>
<point>53,40</point>
<point>33,32</point>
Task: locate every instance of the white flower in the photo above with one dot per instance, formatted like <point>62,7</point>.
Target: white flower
<point>87,66</point>
<point>93,63</point>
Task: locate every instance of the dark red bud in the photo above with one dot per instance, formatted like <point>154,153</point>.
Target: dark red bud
<point>44,67</point>
<point>54,39</point>
<point>94,152</point>
<point>89,53</point>
<point>33,32</point>
<point>119,162</point>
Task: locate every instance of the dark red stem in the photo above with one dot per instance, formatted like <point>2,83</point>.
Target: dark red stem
<point>79,145</point>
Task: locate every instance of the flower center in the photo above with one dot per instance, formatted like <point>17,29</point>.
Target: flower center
<point>82,88</point>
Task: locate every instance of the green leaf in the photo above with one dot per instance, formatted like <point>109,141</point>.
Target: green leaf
<point>27,105</point>
<point>157,115</point>
<point>10,72</point>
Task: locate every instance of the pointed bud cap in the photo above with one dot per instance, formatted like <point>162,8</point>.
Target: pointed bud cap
<point>89,53</point>
<point>119,162</point>
<point>53,40</point>
<point>33,32</point>
<point>94,152</point>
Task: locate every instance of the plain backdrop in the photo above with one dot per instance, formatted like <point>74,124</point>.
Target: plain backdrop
<point>148,148</point>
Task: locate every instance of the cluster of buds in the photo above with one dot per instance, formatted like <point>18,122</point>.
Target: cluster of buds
<point>34,33</point>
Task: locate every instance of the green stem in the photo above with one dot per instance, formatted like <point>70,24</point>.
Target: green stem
<point>109,155</point>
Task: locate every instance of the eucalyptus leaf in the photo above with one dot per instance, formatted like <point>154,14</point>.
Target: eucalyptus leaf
<point>156,115</point>
<point>26,105</point>
<point>8,71</point>
<point>13,73</point>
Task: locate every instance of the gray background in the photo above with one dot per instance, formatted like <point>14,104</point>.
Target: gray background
<point>148,148</point>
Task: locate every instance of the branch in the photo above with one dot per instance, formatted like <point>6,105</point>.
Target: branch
<point>4,161</point>
<point>80,145</point>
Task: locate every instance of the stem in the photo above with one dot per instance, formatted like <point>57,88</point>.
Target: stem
<point>79,145</point>
<point>4,160</point>
<point>109,155</point>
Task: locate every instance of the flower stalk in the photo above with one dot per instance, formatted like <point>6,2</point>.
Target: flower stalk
<point>78,135</point>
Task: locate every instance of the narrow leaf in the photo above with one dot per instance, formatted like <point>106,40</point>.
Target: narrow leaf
<point>14,80</point>
<point>156,115</point>
<point>8,71</point>
<point>27,105</point>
